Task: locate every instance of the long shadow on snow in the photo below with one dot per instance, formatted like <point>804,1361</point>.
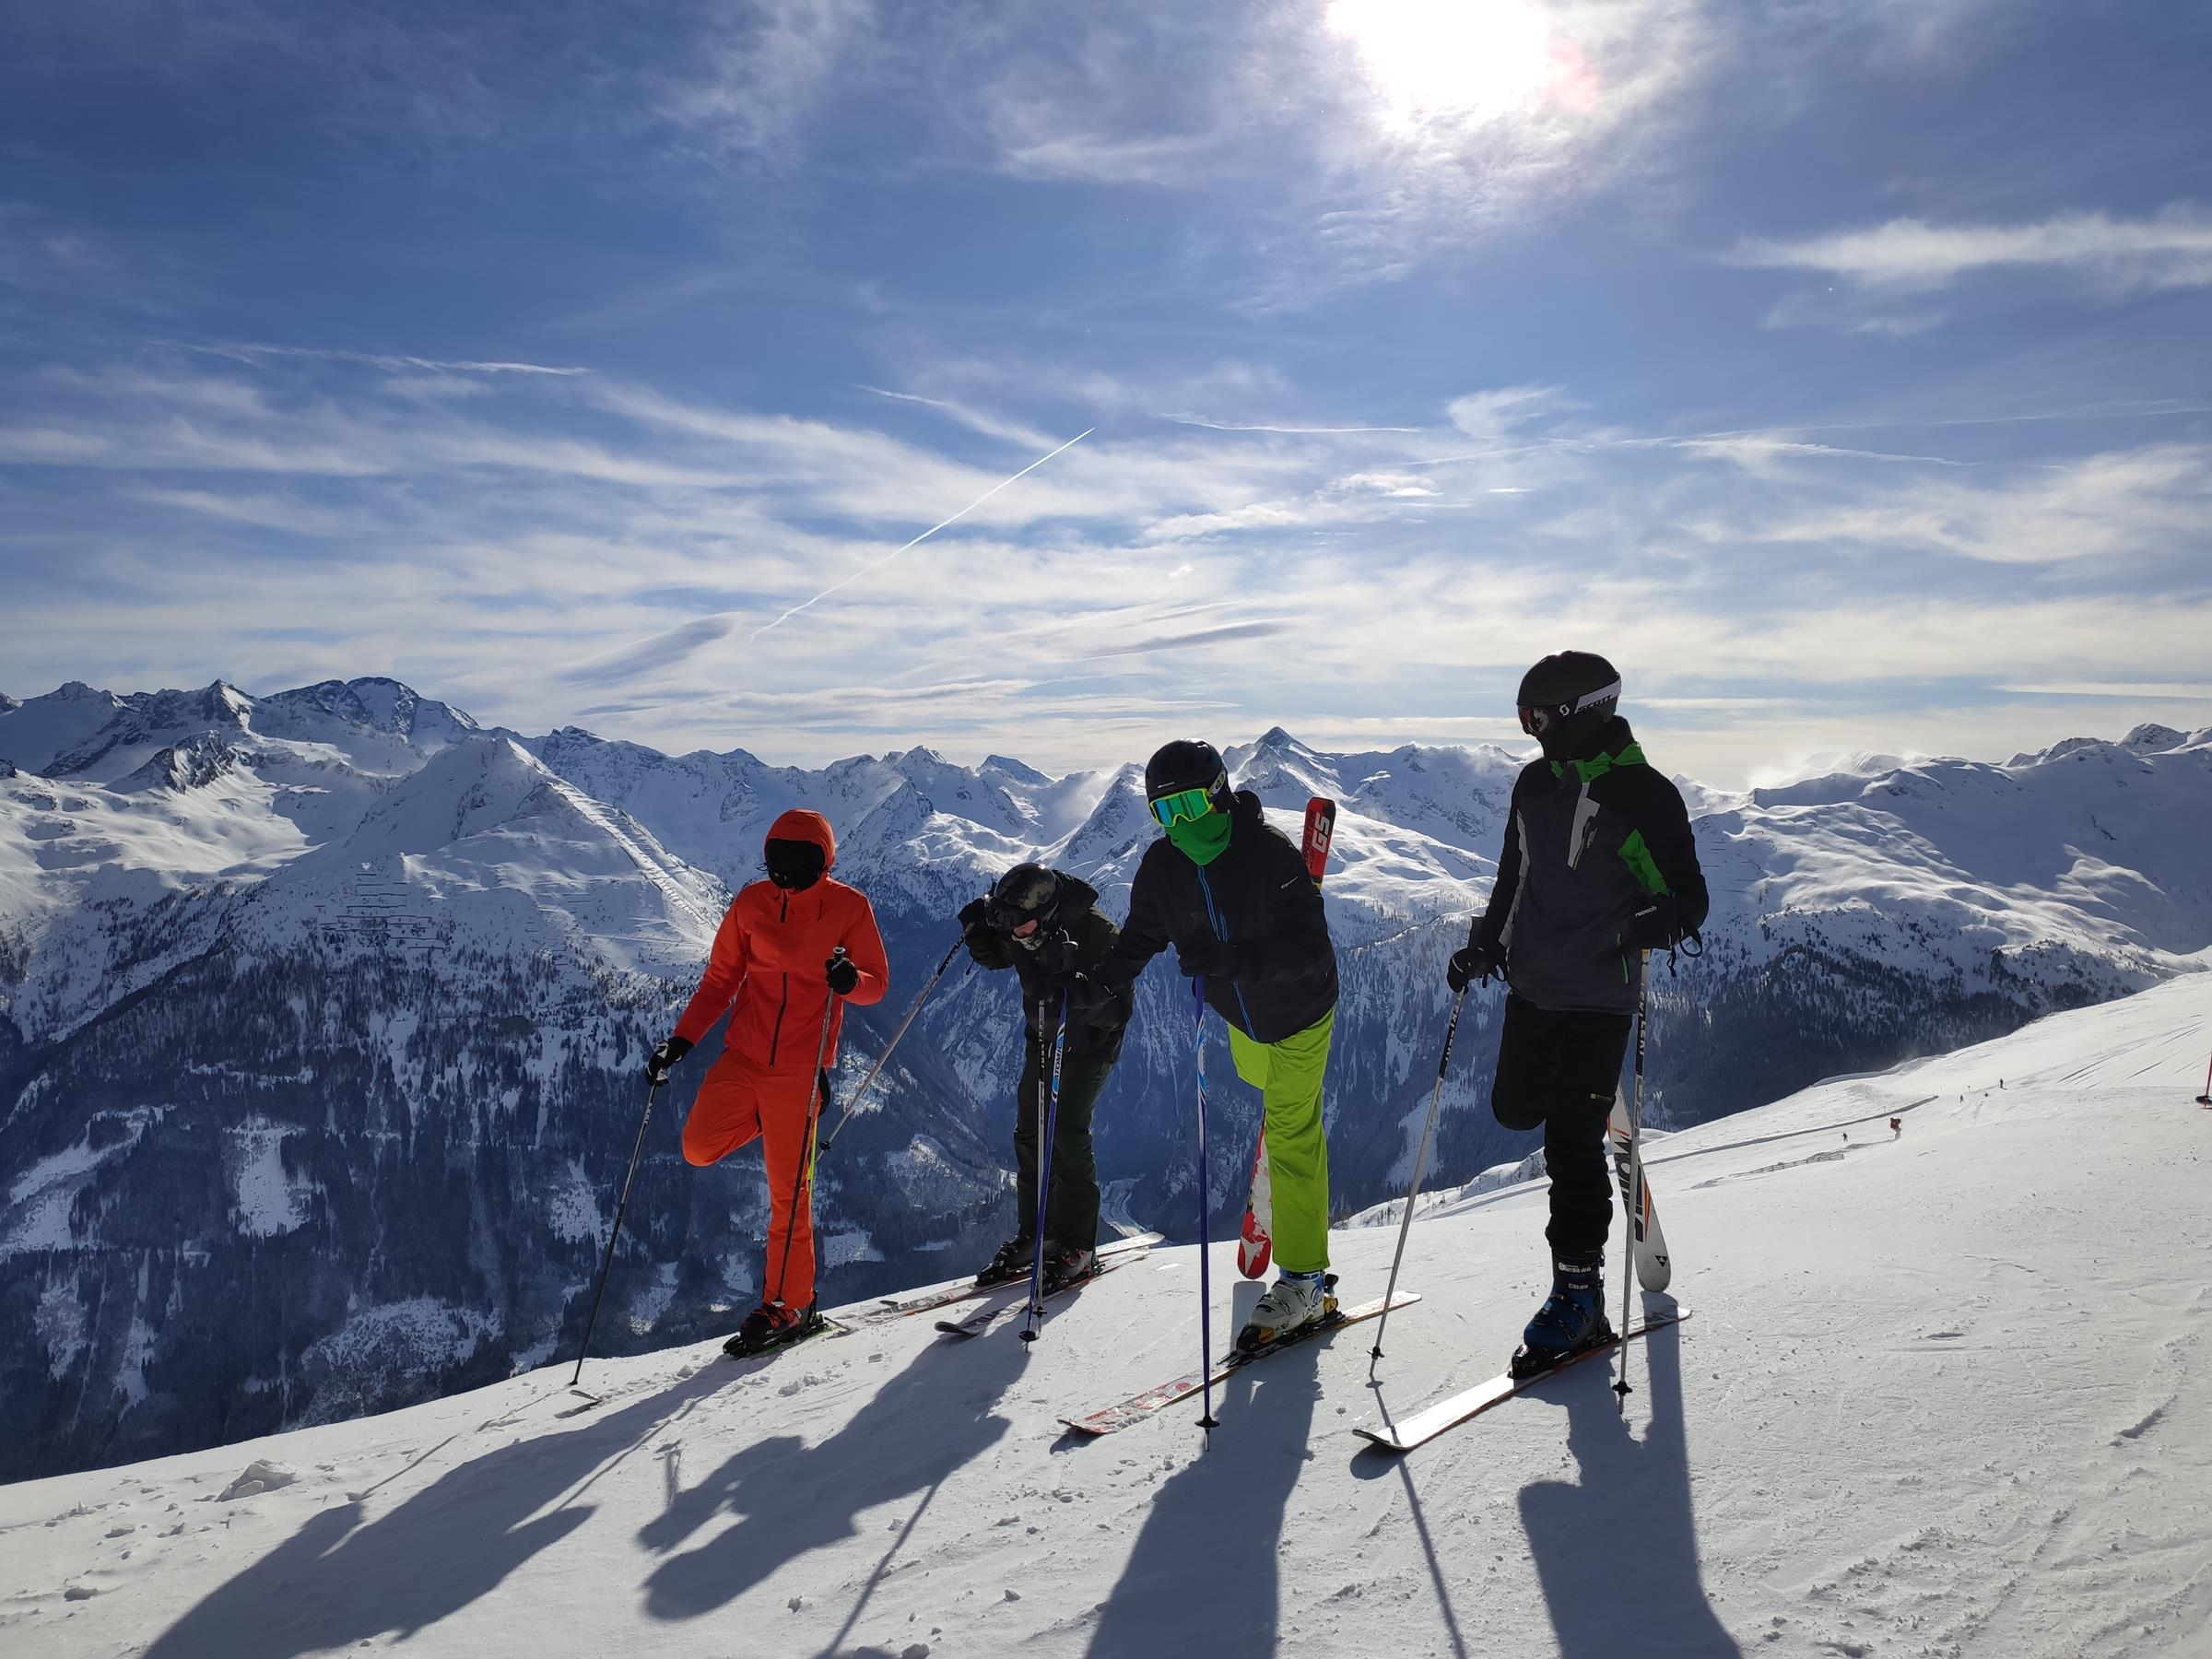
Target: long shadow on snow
<point>343,1578</point>
<point>1202,1576</point>
<point>919,1426</point>
<point>1617,1552</point>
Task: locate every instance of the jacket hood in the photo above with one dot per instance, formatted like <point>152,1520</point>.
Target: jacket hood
<point>801,824</point>
<point>1075,895</point>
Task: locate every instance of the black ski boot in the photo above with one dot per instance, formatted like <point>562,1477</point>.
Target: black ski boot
<point>1014,1260</point>
<point>773,1325</point>
<point>1571,1321</point>
<point>1065,1266</point>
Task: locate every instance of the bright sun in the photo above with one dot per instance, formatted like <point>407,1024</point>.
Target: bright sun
<point>1462,61</point>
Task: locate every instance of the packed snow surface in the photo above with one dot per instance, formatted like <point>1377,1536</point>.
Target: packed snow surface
<point>1946,1391</point>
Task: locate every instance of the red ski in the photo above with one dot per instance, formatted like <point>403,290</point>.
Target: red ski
<point>1255,1240</point>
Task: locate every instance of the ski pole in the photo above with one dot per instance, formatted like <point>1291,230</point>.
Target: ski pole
<point>1632,1203</point>
<point>818,1092</point>
<point>1048,1122</point>
<point>1206,1283</point>
<point>614,1233</point>
<point>1420,1161</point>
<point>860,1094</point>
<point>2205,1099</point>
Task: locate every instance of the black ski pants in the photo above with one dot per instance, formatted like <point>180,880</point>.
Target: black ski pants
<point>1559,1071</point>
<point>1071,1213</point>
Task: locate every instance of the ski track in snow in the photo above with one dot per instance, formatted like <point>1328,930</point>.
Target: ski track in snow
<point>1948,1394</point>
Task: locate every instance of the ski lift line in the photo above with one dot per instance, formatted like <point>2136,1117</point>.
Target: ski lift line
<point>867,570</point>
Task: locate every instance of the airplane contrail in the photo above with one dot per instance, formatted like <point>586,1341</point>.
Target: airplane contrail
<point>956,518</point>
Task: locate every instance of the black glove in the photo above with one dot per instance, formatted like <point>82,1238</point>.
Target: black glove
<point>1472,962</point>
<point>844,978</point>
<point>1657,927</point>
<point>1216,959</point>
<point>662,1061</point>
<point>971,918</point>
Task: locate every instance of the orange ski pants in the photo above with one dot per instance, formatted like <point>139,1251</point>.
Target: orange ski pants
<point>738,1099</point>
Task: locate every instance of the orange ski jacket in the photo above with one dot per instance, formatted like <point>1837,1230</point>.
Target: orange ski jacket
<point>770,958</point>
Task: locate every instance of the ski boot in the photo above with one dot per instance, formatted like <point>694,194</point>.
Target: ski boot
<point>1066,1266</point>
<point>1571,1321</point>
<point>1014,1260</point>
<point>773,1325</point>
<point>1294,1302</point>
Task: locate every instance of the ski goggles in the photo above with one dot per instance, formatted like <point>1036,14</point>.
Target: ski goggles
<point>1021,923</point>
<point>1184,806</point>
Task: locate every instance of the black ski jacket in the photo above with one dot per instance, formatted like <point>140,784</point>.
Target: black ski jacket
<point>1080,944</point>
<point>1588,843</point>
<point>1257,898</point>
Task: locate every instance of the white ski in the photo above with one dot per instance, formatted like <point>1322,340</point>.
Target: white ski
<point>1429,1422</point>
<point>1655,1270</point>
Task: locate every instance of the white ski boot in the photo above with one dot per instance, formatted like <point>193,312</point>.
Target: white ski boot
<point>1294,1302</point>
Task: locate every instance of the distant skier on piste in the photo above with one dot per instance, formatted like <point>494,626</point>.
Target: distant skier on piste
<point>1599,866</point>
<point>1233,895</point>
<point>791,951</point>
<point>1049,929</point>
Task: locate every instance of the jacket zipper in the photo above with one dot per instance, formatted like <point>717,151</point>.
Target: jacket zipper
<point>775,1036</point>
<point>1220,929</point>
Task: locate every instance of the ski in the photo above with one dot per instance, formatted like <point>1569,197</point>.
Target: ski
<point>959,1291</point>
<point>976,1323</point>
<point>1449,1413</point>
<point>1255,1239</point>
<point>1654,1268</point>
<point>1138,1407</point>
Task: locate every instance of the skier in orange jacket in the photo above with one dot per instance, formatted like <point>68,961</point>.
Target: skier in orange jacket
<point>775,968</point>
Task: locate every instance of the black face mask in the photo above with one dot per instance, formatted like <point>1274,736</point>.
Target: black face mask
<point>794,865</point>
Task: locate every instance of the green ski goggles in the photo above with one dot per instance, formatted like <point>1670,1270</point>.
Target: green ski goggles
<point>1184,805</point>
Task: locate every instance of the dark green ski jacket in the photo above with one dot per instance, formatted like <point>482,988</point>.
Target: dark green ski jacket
<point>1587,844</point>
<point>1257,898</point>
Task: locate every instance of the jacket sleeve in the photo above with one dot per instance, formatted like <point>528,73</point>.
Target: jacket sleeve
<point>863,943</point>
<point>718,987</point>
<point>1490,927</point>
<point>1146,932</point>
<point>1664,822</point>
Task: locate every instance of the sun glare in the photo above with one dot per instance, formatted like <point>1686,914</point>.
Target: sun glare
<point>1461,61</point>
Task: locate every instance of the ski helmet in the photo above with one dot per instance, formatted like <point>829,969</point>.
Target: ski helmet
<point>1028,893</point>
<point>1565,699</point>
<point>1188,764</point>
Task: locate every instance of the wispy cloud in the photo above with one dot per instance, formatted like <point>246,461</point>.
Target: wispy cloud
<point>2168,250</point>
<point>391,363</point>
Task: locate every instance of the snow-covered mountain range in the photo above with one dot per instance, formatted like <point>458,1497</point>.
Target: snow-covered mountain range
<point>324,1011</point>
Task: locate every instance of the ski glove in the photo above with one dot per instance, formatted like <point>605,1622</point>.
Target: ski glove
<point>1473,962</point>
<point>662,1061</point>
<point>985,943</point>
<point>844,977</point>
<point>1657,927</point>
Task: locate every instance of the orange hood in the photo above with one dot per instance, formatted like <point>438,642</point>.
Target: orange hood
<point>801,824</point>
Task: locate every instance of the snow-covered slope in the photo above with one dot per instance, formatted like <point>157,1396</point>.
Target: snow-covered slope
<point>1945,1391</point>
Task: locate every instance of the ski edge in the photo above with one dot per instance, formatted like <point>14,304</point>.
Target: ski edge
<point>1483,1397</point>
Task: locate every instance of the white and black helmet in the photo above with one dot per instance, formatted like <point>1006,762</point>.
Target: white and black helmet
<point>1567,696</point>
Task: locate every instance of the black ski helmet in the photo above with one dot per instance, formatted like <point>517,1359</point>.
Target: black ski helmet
<point>1028,892</point>
<point>1565,699</point>
<point>1188,763</point>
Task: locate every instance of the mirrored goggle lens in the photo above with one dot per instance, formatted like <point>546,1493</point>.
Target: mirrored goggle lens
<point>1005,918</point>
<point>1536,721</point>
<point>1183,804</point>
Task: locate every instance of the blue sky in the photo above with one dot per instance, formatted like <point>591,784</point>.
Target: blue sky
<point>1841,368</point>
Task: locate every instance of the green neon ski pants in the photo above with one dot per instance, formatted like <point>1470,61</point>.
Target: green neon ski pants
<point>1287,1075</point>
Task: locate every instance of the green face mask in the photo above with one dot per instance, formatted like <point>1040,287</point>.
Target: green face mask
<point>1201,840</point>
